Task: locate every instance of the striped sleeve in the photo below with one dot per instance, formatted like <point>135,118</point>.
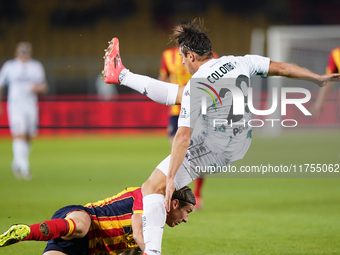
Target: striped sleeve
<point>138,201</point>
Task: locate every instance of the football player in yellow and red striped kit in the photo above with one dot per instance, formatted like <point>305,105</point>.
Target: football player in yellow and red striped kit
<point>333,66</point>
<point>110,226</point>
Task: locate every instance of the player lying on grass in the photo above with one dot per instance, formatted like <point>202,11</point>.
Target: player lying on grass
<point>109,226</point>
<point>197,142</point>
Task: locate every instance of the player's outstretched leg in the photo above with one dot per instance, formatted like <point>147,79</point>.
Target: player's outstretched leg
<point>14,234</point>
<point>112,62</point>
<point>43,231</point>
<point>115,72</point>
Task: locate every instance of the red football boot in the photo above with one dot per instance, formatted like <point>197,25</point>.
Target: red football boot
<point>112,62</point>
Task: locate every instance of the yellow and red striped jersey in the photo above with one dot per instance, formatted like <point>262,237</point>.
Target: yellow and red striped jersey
<point>111,230</point>
<point>172,67</point>
<point>333,65</point>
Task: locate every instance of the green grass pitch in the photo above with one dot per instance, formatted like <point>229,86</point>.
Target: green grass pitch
<point>239,215</point>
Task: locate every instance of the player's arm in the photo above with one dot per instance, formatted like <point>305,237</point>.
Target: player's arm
<point>294,71</point>
<point>137,229</point>
<point>179,149</point>
<point>179,94</point>
<point>40,88</point>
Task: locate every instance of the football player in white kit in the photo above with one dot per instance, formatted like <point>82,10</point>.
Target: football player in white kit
<point>196,142</point>
<point>25,78</point>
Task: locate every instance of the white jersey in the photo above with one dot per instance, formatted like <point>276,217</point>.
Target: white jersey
<point>21,77</point>
<point>22,101</point>
<point>213,144</point>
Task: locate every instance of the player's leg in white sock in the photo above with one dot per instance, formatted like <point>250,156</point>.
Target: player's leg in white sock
<point>154,216</point>
<point>16,150</point>
<point>21,155</point>
<point>25,170</point>
<point>158,91</point>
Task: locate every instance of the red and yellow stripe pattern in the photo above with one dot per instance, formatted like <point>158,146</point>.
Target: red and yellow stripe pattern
<point>111,229</point>
<point>172,67</point>
<point>333,65</point>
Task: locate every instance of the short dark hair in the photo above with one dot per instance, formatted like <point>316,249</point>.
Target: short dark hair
<point>184,196</point>
<point>190,36</point>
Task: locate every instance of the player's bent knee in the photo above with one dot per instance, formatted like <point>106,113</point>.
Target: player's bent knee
<point>82,223</point>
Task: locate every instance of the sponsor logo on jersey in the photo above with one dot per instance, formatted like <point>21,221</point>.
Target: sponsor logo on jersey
<point>183,113</point>
<point>208,92</point>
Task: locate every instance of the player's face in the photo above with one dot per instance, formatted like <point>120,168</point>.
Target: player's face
<point>186,60</point>
<point>24,51</point>
<point>177,216</point>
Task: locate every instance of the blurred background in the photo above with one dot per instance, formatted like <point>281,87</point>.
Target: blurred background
<point>69,36</point>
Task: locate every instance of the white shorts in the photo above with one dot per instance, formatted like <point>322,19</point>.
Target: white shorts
<point>201,155</point>
<point>23,121</point>
<point>183,176</point>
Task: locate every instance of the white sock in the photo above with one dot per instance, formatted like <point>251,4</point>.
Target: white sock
<point>21,150</point>
<point>154,216</point>
<point>158,91</point>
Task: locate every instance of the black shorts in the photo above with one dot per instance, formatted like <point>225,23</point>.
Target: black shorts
<point>173,126</point>
<point>76,246</point>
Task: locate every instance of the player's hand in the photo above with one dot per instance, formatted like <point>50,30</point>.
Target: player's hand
<point>324,79</point>
<point>39,88</point>
<point>35,89</point>
<point>169,190</point>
